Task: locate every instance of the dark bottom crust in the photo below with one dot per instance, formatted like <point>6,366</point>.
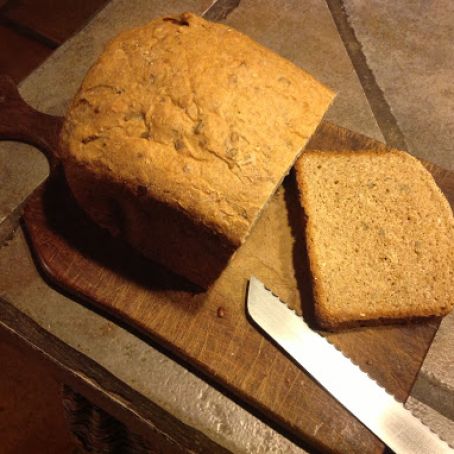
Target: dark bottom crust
<point>154,229</point>
<point>335,326</point>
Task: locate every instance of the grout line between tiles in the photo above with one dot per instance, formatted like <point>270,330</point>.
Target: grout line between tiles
<point>28,32</point>
<point>9,226</point>
<point>220,9</point>
<point>382,111</point>
<point>433,392</point>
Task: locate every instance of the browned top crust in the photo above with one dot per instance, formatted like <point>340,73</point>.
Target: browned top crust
<point>196,115</point>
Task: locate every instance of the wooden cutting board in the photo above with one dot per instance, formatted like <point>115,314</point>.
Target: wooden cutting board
<point>210,330</point>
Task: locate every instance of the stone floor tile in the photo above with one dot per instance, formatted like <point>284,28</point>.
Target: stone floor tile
<point>22,169</point>
<point>409,48</point>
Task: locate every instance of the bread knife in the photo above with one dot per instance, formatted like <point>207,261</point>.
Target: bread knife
<point>371,404</point>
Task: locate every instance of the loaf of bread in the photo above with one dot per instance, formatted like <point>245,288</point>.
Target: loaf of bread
<point>180,133</point>
<point>379,235</point>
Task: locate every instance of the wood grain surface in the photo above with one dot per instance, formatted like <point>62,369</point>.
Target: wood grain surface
<point>210,330</point>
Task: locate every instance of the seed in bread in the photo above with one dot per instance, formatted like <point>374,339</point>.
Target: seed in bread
<point>379,235</point>
<point>180,133</point>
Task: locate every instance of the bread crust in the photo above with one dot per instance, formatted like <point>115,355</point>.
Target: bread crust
<point>195,117</point>
<point>333,309</point>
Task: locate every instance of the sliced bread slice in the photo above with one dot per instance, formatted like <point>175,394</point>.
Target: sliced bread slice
<point>379,235</point>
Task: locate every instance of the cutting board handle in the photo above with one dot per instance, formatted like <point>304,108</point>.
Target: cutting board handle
<point>19,121</point>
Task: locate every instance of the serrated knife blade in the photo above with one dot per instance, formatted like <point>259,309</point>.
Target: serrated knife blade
<point>353,388</point>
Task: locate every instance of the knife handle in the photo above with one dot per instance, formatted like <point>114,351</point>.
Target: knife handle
<point>19,121</point>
